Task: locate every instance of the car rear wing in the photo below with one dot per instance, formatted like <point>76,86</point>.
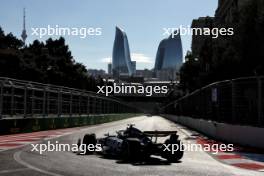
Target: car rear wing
<point>159,133</point>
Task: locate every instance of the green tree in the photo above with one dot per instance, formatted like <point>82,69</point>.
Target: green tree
<point>189,73</point>
<point>47,62</point>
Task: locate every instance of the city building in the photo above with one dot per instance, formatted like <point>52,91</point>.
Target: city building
<point>167,75</point>
<point>145,73</point>
<point>134,67</point>
<point>109,66</point>
<point>97,73</point>
<point>228,10</point>
<point>227,15</point>
<point>198,41</point>
<point>121,60</point>
<point>169,57</point>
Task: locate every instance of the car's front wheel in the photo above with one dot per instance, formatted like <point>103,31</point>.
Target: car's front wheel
<point>177,153</point>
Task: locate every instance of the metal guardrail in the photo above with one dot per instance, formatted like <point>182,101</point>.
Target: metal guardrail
<point>237,101</point>
<point>31,99</point>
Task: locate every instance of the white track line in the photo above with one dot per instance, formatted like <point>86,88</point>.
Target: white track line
<point>13,170</point>
<point>20,161</point>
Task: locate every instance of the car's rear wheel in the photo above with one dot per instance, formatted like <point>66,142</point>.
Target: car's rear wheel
<point>89,139</point>
<point>177,153</point>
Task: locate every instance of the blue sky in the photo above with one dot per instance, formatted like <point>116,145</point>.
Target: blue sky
<point>142,20</point>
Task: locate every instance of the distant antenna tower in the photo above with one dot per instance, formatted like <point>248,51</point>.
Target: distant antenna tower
<point>24,33</point>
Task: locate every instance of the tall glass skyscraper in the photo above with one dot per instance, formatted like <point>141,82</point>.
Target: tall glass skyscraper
<point>169,57</point>
<point>121,61</point>
<point>169,54</point>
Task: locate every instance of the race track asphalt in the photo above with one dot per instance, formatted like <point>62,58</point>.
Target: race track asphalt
<point>24,162</point>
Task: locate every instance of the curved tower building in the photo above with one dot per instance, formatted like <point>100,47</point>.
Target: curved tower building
<point>121,61</point>
<point>169,57</point>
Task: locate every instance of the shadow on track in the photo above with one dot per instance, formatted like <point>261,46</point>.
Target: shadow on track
<point>151,161</point>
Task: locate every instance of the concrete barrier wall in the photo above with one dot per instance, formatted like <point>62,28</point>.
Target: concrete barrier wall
<point>242,135</point>
<point>24,125</point>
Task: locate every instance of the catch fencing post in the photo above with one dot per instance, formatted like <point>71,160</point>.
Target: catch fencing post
<point>12,99</point>
<point>25,101</point>
<point>48,101</point>
<point>59,103</point>
<point>32,101</point>
<point>80,104</point>
<point>44,102</point>
<point>233,101</point>
<point>71,104</point>
<point>260,110</point>
<point>107,106</point>
<point>94,105</point>
<point>1,98</point>
<point>100,101</point>
<point>88,105</point>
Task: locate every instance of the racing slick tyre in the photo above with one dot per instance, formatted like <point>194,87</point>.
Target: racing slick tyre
<point>89,139</point>
<point>177,153</point>
<point>131,149</point>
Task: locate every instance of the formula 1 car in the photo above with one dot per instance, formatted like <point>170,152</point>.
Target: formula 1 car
<point>133,144</point>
